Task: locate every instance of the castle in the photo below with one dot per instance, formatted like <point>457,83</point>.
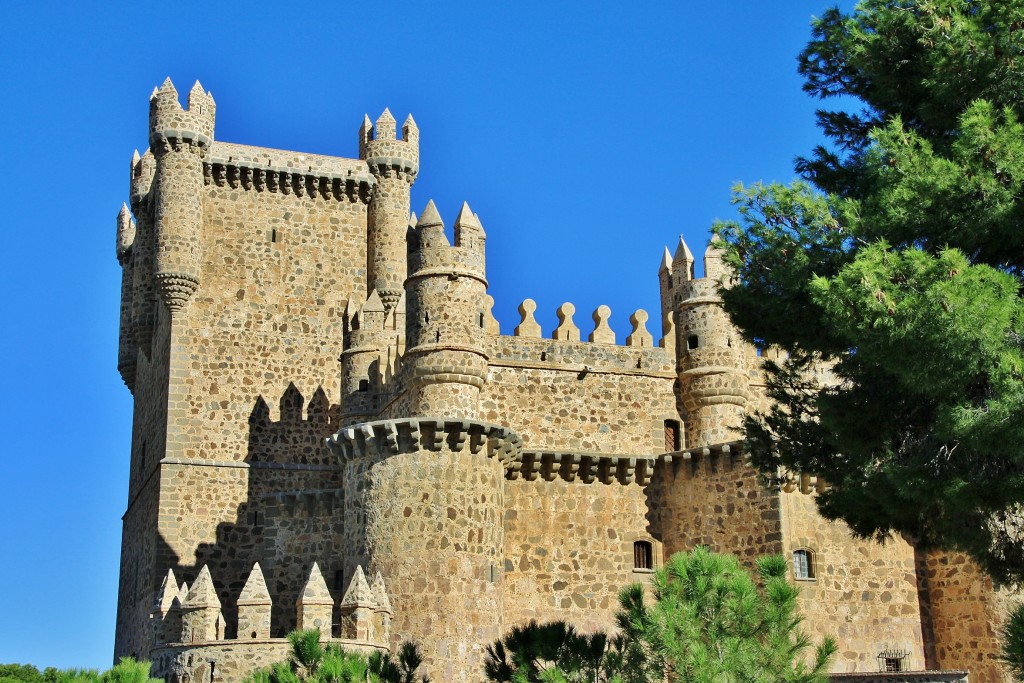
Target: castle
<point>331,431</point>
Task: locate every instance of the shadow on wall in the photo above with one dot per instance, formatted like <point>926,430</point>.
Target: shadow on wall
<point>287,519</point>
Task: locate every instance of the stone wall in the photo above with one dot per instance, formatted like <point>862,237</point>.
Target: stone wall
<point>227,660</point>
<point>714,500</point>
<point>864,593</point>
<point>569,549</point>
<point>966,613</point>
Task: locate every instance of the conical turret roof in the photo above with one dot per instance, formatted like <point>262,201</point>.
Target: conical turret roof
<point>255,591</point>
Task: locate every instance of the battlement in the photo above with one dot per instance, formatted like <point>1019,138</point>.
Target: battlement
<point>430,252</point>
<point>392,437</point>
<point>170,125</point>
<point>386,154</point>
<point>183,614</point>
<point>259,169</point>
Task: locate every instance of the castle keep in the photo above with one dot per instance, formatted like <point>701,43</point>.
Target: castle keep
<point>331,431</point>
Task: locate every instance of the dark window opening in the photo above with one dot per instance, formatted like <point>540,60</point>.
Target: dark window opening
<point>273,235</point>
<point>481,320</point>
<point>692,341</point>
<point>339,579</point>
<point>673,437</point>
<point>803,565</point>
<point>643,555</point>
<point>364,385</point>
<point>543,355</point>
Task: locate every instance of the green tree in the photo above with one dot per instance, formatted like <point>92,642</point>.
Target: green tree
<point>20,673</point>
<point>555,652</point>
<point>896,263</point>
<point>709,623</point>
<point>1013,643</point>
<point>309,661</point>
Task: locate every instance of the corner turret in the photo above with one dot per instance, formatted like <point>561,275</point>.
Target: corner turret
<point>127,351</point>
<point>446,302</point>
<point>144,296</point>
<point>394,163</point>
<point>180,139</point>
<point>713,381</point>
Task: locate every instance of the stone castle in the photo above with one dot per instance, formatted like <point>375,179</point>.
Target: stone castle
<point>331,431</point>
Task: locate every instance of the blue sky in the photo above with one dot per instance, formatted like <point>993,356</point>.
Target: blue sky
<point>587,136</point>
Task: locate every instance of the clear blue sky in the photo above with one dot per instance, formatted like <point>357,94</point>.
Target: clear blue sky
<point>586,135</point>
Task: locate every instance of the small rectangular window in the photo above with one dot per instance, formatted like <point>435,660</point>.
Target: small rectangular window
<point>643,555</point>
<point>803,565</point>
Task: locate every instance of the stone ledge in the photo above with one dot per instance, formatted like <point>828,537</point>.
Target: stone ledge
<point>392,437</point>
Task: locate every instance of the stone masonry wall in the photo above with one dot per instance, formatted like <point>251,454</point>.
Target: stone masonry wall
<point>863,593</point>
<point>614,407</point>
<point>966,612</point>
<point>716,501</point>
<point>569,549</point>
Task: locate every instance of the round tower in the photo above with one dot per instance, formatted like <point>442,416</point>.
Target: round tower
<point>365,341</point>
<point>180,139</point>
<point>394,163</point>
<point>712,367</point>
<point>445,362</point>
<point>144,296</point>
<point>424,492</point>
<point>127,351</point>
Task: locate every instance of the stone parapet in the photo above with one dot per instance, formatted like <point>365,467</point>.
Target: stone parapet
<point>394,437</point>
<point>232,660</point>
<point>901,677</point>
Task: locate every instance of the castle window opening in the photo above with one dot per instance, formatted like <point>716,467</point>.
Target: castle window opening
<point>673,436</point>
<point>643,555</point>
<point>803,565</point>
<point>273,235</point>
<point>892,660</point>
<point>339,579</point>
<point>692,341</point>
<point>364,385</point>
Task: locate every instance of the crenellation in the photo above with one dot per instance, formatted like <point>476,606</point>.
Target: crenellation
<point>323,395</point>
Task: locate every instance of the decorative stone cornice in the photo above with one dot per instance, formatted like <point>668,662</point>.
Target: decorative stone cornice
<point>392,437</point>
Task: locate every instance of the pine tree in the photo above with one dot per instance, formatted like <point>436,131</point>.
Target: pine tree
<point>896,264</point>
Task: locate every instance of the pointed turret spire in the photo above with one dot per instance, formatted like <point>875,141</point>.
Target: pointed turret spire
<point>315,591</point>
<point>166,594</point>
<point>410,131</point>
<point>385,127</point>
<point>467,218</point>
<point>202,593</point>
<point>666,262</point>
<point>373,303</point>
<point>358,590</point>
<point>431,228</point>
<point>380,593</point>
<point>135,158</point>
<point>682,262</point>
<point>255,590</point>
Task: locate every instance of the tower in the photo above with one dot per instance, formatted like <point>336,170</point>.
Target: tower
<point>424,491</point>
<point>180,139</point>
<point>713,381</point>
<point>394,163</point>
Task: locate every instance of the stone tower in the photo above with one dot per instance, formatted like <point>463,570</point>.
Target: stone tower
<point>394,163</point>
<point>712,362</point>
<point>425,490</point>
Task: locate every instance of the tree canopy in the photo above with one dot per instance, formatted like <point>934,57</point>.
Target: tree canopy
<point>895,264</point>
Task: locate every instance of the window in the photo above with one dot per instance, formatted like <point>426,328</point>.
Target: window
<point>803,565</point>
<point>643,555</point>
<point>364,385</point>
<point>672,437</point>
<point>692,342</point>
<point>339,579</point>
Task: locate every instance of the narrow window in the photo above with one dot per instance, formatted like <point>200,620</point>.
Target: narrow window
<point>364,385</point>
<point>643,555</point>
<point>692,342</point>
<point>339,579</point>
<point>673,442</point>
<point>803,565</point>
<point>481,321</point>
<point>273,235</point>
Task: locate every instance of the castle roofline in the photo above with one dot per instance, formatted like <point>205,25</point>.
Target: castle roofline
<point>230,153</point>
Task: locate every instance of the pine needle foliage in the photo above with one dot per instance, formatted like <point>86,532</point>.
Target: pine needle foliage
<point>309,661</point>
<point>710,623</point>
<point>891,274</point>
